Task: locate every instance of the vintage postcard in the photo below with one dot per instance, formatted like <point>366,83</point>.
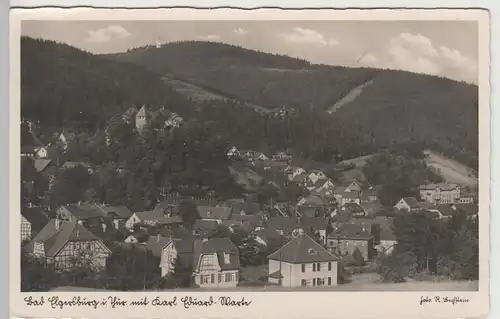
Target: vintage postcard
<point>225,163</point>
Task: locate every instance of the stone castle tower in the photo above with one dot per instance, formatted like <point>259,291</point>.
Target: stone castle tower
<point>142,118</point>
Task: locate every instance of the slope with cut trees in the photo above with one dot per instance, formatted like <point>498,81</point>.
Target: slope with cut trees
<point>397,106</point>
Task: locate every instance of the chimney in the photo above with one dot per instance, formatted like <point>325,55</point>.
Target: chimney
<point>103,228</point>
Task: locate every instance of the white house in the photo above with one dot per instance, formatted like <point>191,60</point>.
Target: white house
<point>440,193</point>
<point>216,263</point>
<point>302,262</point>
<point>407,204</point>
<point>41,152</point>
<point>316,175</point>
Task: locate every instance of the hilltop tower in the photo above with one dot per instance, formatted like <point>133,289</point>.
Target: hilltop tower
<point>142,118</point>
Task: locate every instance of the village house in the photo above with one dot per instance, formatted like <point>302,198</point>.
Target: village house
<point>118,214</point>
<point>233,151</point>
<point>33,220</point>
<point>248,223</point>
<point>441,193</point>
<point>67,244</point>
<point>283,225</point>
<point>204,228</point>
<point>173,250</point>
<point>348,197</point>
<point>346,238</point>
<point>302,262</point>
<point>316,227</point>
<point>142,119</point>
<point>151,218</point>
<point>369,196</point>
<point>267,237</point>
<point>372,209</point>
<point>215,213</point>
<point>41,164</point>
<point>316,175</point>
<point>350,186</point>
<point>137,237</point>
<point>407,204</point>
<point>84,214</point>
<point>384,239</point>
<point>216,263</point>
<point>66,137</point>
<point>244,208</point>
<point>293,171</point>
<point>354,210</point>
<point>282,156</point>
<point>174,121</point>
<point>259,156</point>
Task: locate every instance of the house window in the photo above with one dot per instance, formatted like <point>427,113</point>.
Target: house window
<point>220,277</point>
<point>228,277</point>
<point>314,281</point>
<point>329,281</point>
<point>303,267</point>
<point>205,279</point>
<point>212,278</point>
<point>227,258</point>
<point>329,266</point>
<point>303,283</point>
<point>320,282</point>
<point>314,267</point>
<point>318,267</point>
<point>207,263</point>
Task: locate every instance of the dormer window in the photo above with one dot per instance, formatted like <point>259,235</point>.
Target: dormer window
<point>227,258</point>
<point>312,251</point>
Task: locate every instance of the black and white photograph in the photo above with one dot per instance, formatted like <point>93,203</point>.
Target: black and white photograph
<point>232,155</point>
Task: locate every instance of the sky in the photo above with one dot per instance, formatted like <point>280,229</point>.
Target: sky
<point>443,48</point>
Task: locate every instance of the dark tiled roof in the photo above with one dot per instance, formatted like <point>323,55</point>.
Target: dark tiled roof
<point>302,249</point>
<point>140,236</point>
<point>54,238</point>
<point>353,208</point>
<point>314,200</point>
<point>41,164</point>
<point>446,209</point>
<point>441,186</point>
<point>268,234</point>
<point>36,217</point>
<point>83,212</point>
<point>200,224</point>
<point>156,244</point>
<point>412,202</point>
<point>371,208</point>
<point>217,246</point>
<point>281,223</point>
<point>214,212</point>
<point>149,215</point>
<point>121,211</point>
<point>316,223</point>
<point>351,231</point>
<point>247,208</point>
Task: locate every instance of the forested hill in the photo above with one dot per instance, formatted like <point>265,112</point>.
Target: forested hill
<point>396,107</point>
<point>61,84</point>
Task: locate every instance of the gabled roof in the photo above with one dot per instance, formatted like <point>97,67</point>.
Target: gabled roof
<point>299,178</point>
<point>140,236</point>
<point>83,212</point>
<point>446,209</point>
<point>201,224</point>
<point>156,244</point>
<point>149,215</point>
<point>281,223</point>
<point>35,216</point>
<point>371,208</point>
<point>316,223</point>
<point>214,212</point>
<point>412,202</point>
<point>55,238</point>
<point>353,208</point>
<point>121,211</point>
<point>441,186</point>
<point>143,111</point>
<point>268,234</point>
<point>302,249</point>
<point>314,200</point>
<point>351,231</point>
<point>41,164</point>
<point>217,246</point>
<point>247,208</point>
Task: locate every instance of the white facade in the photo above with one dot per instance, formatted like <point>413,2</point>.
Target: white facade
<point>209,274</point>
<point>437,195</point>
<point>305,275</point>
<point>132,221</point>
